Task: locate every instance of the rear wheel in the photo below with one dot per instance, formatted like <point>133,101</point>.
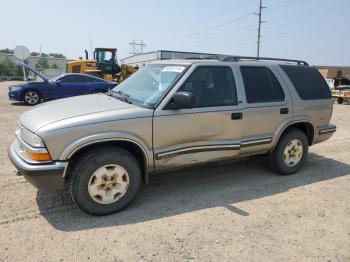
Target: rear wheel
<point>105,181</point>
<point>31,97</point>
<point>340,100</point>
<point>290,153</point>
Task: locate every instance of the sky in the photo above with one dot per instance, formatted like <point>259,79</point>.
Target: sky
<point>317,31</point>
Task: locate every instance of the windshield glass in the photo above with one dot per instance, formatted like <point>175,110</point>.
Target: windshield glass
<point>148,84</point>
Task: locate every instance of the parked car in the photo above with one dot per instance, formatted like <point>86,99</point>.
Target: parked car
<point>342,88</point>
<point>169,115</point>
<point>62,86</point>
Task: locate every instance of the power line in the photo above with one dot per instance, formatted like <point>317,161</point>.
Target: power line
<point>226,35</point>
<point>206,29</point>
<point>307,14</point>
<point>137,47</point>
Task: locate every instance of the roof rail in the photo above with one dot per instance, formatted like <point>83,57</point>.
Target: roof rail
<point>205,57</point>
<point>240,58</point>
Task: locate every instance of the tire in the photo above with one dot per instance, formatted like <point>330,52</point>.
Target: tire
<point>32,97</point>
<point>277,159</point>
<point>340,100</point>
<point>86,183</point>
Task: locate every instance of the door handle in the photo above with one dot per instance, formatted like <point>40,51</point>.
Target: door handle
<point>284,111</point>
<point>236,116</point>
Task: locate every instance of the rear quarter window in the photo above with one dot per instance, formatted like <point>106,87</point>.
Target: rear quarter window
<point>308,82</point>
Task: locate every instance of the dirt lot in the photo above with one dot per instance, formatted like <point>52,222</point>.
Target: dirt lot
<point>235,212</point>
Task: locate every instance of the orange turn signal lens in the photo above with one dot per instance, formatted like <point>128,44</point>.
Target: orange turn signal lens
<point>39,156</point>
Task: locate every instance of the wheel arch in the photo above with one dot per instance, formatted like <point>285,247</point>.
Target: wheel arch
<point>30,89</point>
<point>304,125</point>
<point>135,148</point>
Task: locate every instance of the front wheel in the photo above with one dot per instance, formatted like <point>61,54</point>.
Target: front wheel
<point>105,180</point>
<point>31,97</point>
<point>290,153</point>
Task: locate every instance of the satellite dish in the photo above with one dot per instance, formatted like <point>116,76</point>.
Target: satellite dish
<point>21,52</point>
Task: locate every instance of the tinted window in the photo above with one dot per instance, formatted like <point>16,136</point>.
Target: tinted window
<point>261,85</point>
<point>212,86</point>
<point>76,79</point>
<point>308,82</point>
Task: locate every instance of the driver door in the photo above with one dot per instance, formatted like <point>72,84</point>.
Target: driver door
<point>209,131</point>
<point>67,86</point>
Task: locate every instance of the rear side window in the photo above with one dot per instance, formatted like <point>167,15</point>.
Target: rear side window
<point>261,85</point>
<point>308,82</point>
<point>76,79</point>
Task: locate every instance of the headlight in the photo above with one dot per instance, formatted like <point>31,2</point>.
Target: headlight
<point>31,139</point>
<point>15,88</point>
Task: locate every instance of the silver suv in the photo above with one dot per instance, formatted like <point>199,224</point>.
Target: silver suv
<point>173,114</point>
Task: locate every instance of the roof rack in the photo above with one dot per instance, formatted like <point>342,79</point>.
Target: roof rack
<point>204,57</point>
<point>240,58</point>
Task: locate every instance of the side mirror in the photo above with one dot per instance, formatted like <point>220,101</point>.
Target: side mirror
<point>58,82</point>
<point>183,100</point>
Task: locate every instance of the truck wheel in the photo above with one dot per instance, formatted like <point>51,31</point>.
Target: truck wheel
<point>105,180</point>
<point>340,100</point>
<point>290,153</point>
<point>31,97</point>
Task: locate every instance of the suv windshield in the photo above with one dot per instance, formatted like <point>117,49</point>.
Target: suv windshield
<point>148,84</point>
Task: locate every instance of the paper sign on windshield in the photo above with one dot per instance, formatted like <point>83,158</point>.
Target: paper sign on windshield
<point>176,69</point>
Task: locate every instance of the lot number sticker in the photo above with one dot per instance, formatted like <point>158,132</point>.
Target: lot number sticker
<point>176,69</point>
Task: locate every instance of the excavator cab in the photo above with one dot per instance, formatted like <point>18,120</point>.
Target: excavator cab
<point>107,62</point>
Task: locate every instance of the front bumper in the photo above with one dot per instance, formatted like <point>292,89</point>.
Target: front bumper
<point>15,95</point>
<point>48,176</point>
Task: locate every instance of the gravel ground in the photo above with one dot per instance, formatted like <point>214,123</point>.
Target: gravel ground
<point>231,212</point>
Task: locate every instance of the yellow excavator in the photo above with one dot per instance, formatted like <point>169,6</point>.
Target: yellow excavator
<point>104,65</point>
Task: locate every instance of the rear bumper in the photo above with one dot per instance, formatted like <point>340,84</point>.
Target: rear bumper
<point>323,133</point>
<point>48,176</point>
<point>330,129</point>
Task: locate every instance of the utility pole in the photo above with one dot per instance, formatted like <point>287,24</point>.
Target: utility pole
<point>137,47</point>
<point>91,51</point>
<point>259,28</point>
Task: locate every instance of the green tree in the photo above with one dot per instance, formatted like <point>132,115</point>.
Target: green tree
<point>42,63</point>
<point>57,55</point>
<point>54,66</point>
<point>6,51</point>
<point>35,54</point>
<point>9,69</point>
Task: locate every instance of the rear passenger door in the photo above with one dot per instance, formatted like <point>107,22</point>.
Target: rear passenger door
<point>209,131</point>
<point>266,105</point>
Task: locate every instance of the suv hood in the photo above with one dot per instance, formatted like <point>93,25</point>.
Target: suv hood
<point>63,109</point>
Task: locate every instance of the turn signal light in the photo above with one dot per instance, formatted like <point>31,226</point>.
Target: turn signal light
<point>39,156</point>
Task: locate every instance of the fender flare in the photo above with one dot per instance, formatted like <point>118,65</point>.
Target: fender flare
<point>279,131</point>
<point>83,142</point>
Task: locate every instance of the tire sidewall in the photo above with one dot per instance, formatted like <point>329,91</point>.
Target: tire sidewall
<point>281,166</point>
<point>85,169</point>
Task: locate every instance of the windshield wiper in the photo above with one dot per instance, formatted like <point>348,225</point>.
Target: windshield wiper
<point>120,94</point>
